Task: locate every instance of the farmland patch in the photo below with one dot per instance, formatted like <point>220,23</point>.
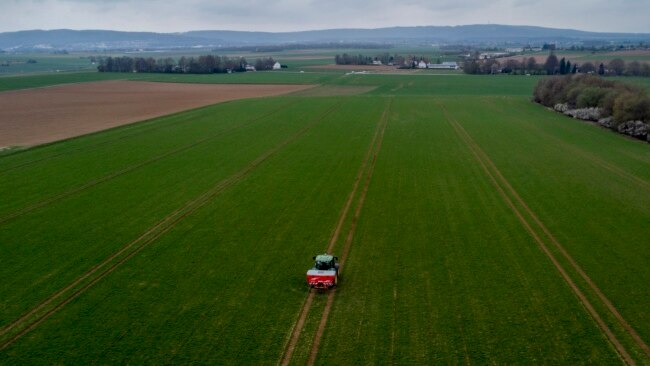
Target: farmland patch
<point>32,117</point>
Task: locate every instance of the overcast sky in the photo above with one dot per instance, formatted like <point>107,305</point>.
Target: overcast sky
<point>290,15</point>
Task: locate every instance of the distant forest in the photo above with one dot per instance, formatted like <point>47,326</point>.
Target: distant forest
<point>208,64</point>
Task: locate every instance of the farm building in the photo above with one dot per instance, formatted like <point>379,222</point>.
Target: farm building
<point>445,65</point>
<point>422,65</point>
<point>250,68</point>
<point>277,66</point>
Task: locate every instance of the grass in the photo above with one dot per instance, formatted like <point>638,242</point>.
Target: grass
<point>441,268</point>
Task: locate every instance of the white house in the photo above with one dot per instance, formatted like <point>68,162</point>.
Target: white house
<point>250,68</point>
<point>376,62</point>
<point>277,66</point>
<point>422,65</point>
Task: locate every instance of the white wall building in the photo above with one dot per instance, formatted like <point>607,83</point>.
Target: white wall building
<point>450,65</point>
<point>277,66</point>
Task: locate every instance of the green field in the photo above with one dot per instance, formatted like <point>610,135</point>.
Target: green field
<point>476,227</point>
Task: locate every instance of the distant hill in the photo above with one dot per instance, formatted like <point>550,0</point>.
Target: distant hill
<point>468,34</point>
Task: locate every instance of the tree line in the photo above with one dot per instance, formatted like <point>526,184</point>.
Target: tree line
<point>409,61</point>
<point>621,101</point>
<point>555,66</point>
<point>207,64</point>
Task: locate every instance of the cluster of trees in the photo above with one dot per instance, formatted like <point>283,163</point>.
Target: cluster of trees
<point>619,67</point>
<point>346,59</point>
<point>409,61</point>
<point>615,99</point>
<point>207,64</point>
<point>555,66</point>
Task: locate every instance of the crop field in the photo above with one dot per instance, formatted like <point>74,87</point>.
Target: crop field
<point>472,226</point>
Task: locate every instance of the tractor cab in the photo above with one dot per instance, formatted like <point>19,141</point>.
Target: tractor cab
<point>325,272</point>
<point>325,262</point>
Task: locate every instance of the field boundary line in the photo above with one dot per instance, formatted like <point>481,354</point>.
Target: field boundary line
<point>149,236</point>
<point>495,178</point>
<point>55,198</point>
<point>135,126</point>
<point>349,238</point>
<point>304,310</point>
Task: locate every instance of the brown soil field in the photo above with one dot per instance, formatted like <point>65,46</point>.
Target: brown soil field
<point>629,53</point>
<point>36,116</point>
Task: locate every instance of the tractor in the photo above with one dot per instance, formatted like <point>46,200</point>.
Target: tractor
<point>325,273</point>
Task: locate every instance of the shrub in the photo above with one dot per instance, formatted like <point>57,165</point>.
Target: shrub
<point>590,97</point>
<point>631,107</point>
<point>621,101</point>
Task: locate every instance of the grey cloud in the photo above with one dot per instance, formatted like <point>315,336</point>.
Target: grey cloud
<point>285,15</point>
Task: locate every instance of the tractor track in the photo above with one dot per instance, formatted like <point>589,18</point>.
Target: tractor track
<point>502,185</point>
<point>304,310</point>
<point>349,238</point>
<point>92,183</point>
<point>138,131</point>
<point>598,161</point>
<point>149,236</point>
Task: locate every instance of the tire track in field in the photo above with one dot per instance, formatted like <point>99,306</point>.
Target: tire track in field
<point>108,265</point>
<point>138,131</point>
<point>348,239</point>
<point>304,310</point>
<point>503,188</point>
<point>610,306</point>
<point>43,203</point>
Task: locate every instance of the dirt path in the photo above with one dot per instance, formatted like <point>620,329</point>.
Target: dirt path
<point>37,116</point>
<point>297,329</point>
<point>55,198</point>
<point>42,311</point>
<point>503,187</point>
